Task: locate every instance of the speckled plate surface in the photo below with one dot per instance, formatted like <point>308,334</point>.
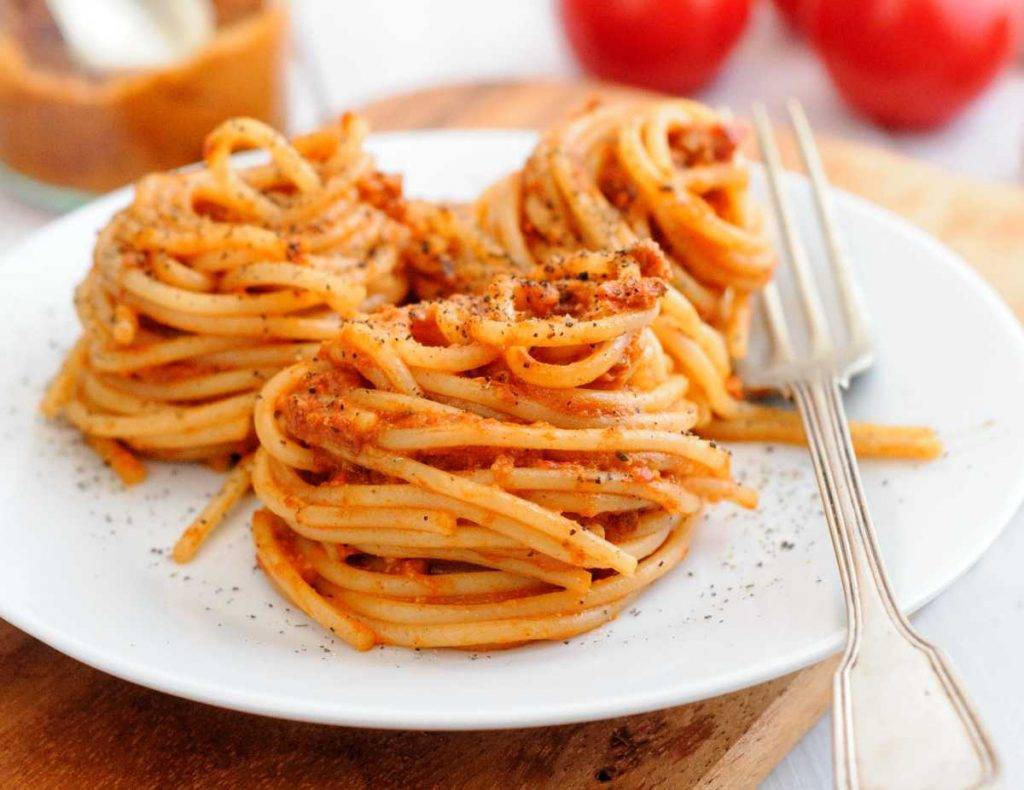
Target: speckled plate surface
<point>86,566</point>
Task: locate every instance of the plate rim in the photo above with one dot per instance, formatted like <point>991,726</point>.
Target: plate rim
<point>280,706</point>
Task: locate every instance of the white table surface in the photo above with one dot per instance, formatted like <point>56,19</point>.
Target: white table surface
<point>980,620</point>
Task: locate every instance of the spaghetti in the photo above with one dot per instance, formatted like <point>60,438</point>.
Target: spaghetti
<point>671,171</point>
<point>511,458</point>
<point>486,469</point>
<point>668,171</point>
<point>214,279</point>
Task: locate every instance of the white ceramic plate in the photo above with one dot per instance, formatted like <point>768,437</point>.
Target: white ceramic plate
<point>86,565</point>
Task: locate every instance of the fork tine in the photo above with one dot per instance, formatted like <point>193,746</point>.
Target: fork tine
<point>776,320</point>
<point>821,338</point>
<point>774,315</point>
<point>849,293</point>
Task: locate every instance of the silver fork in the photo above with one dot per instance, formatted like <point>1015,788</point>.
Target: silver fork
<point>900,717</point>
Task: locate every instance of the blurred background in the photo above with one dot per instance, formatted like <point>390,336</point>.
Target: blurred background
<point>366,50</point>
<point>94,93</point>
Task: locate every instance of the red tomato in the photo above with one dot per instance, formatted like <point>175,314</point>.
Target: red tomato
<point>668,45</point>
<point>792,11</point>
<point>913,64</point>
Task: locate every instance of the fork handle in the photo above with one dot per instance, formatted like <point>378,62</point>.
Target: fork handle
<point>900,716</point>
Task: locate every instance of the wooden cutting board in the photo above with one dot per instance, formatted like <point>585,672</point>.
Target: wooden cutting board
<point>64,724</point>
